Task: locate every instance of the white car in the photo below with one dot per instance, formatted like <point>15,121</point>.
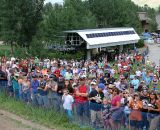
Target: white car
<point>149,41</point>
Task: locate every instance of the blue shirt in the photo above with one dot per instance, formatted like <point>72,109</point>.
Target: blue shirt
<point>135,83</point>
<point>15,84</point>
<point>63,72</point>
<point>147,80</point>
<point>34,85</point>
<point>41,91</point>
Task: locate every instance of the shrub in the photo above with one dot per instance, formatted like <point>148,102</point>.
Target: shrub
<point>140,43</point>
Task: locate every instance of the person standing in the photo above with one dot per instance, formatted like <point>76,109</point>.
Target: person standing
<point>82,101</point>
<point>67,100</point>
<point>34,85</point>
<point>16,86</point>
<point>3,79</point>
<point>96,97</point>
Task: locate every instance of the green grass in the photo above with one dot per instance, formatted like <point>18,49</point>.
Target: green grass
<point>47,118</point>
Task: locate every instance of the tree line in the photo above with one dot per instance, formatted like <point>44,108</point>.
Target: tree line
<point>29,23</point>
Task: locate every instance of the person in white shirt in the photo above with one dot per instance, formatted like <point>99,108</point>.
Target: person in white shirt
<point>138,73</point>
<point>67,104</point>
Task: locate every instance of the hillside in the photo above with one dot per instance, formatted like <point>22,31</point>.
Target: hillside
<point>151,3</point>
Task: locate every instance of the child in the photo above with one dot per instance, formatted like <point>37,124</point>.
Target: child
<point>67,103</point>
<point>106,114</point>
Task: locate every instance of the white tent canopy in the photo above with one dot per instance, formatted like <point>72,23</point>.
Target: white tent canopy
<point>105,37</point>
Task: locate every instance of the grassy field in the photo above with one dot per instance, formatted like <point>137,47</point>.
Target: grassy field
<point>47,118</point>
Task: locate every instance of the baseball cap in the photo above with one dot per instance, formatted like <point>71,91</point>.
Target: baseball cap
<point>34,76</point>
<point>93,83</point>
<point>41,76</point>
<point>111,86</point>
<point>82,77</point>
<point>101,86</point>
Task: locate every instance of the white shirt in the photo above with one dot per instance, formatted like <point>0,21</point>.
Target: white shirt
<point>68,75</point>
<point>138,73</point>
<point>117,84</point>
<point>67,101</point>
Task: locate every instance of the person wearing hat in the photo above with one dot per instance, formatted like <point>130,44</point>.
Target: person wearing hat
<point>62,70</point>
<point>96,97</point>
<point>108,91</point>
<point>34,85</point>
<point>16,87</point>
<point>111,80</point>
<point>3,78</point>
<point>155,83</point>
<point>135,83</point>
<point>145,100</point>
<point>154,111</point>
<point>68,75</point>
<point>135,115</point>
<point>25,89</point>
<point>93,85</point>
<point>42,93</point>
<point>81,99</point>
<point>52,93</point>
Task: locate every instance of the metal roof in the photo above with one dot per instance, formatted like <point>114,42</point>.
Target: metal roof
<point>94,30</point>
<point>104,37</point>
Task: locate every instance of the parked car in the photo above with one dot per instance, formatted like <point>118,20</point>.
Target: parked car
<point>158,40</point>
<point>149,41</point>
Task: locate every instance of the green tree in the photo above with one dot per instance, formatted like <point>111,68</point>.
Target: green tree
<point>115,13</point>
<point>58,18</point>
<point>20,20</point>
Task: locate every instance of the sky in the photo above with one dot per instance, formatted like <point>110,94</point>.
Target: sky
<point>54,1</point>
<point>151,3</point>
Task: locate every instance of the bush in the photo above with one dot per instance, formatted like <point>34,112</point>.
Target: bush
<point>140,43</point>
<point>78,55</point>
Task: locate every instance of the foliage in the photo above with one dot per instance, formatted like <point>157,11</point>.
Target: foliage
<point>140,43</point>
<point>117,14</point>
<point>57,18</point>
<point>20,20</point>
<point>5,50</point>
<point>159,9</point>
<point>49,118</point>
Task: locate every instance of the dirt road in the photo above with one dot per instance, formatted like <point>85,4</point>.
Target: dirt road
<point>9,121</point>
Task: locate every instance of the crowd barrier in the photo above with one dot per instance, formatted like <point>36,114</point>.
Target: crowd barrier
<point>88,115</point>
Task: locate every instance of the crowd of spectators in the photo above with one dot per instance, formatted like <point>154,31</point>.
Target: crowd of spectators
<point>108,95</point>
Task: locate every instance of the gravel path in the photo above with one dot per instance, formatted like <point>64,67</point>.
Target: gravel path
<point>154,53</point>
<point>9,121</point>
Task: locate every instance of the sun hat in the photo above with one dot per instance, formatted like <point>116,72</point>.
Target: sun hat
<point>111,86</point>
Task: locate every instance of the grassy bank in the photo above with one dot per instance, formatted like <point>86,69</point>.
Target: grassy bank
<point>48,118</point>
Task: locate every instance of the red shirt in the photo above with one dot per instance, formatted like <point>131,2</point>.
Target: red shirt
<point>82,89</point>
<point>57,73</point>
